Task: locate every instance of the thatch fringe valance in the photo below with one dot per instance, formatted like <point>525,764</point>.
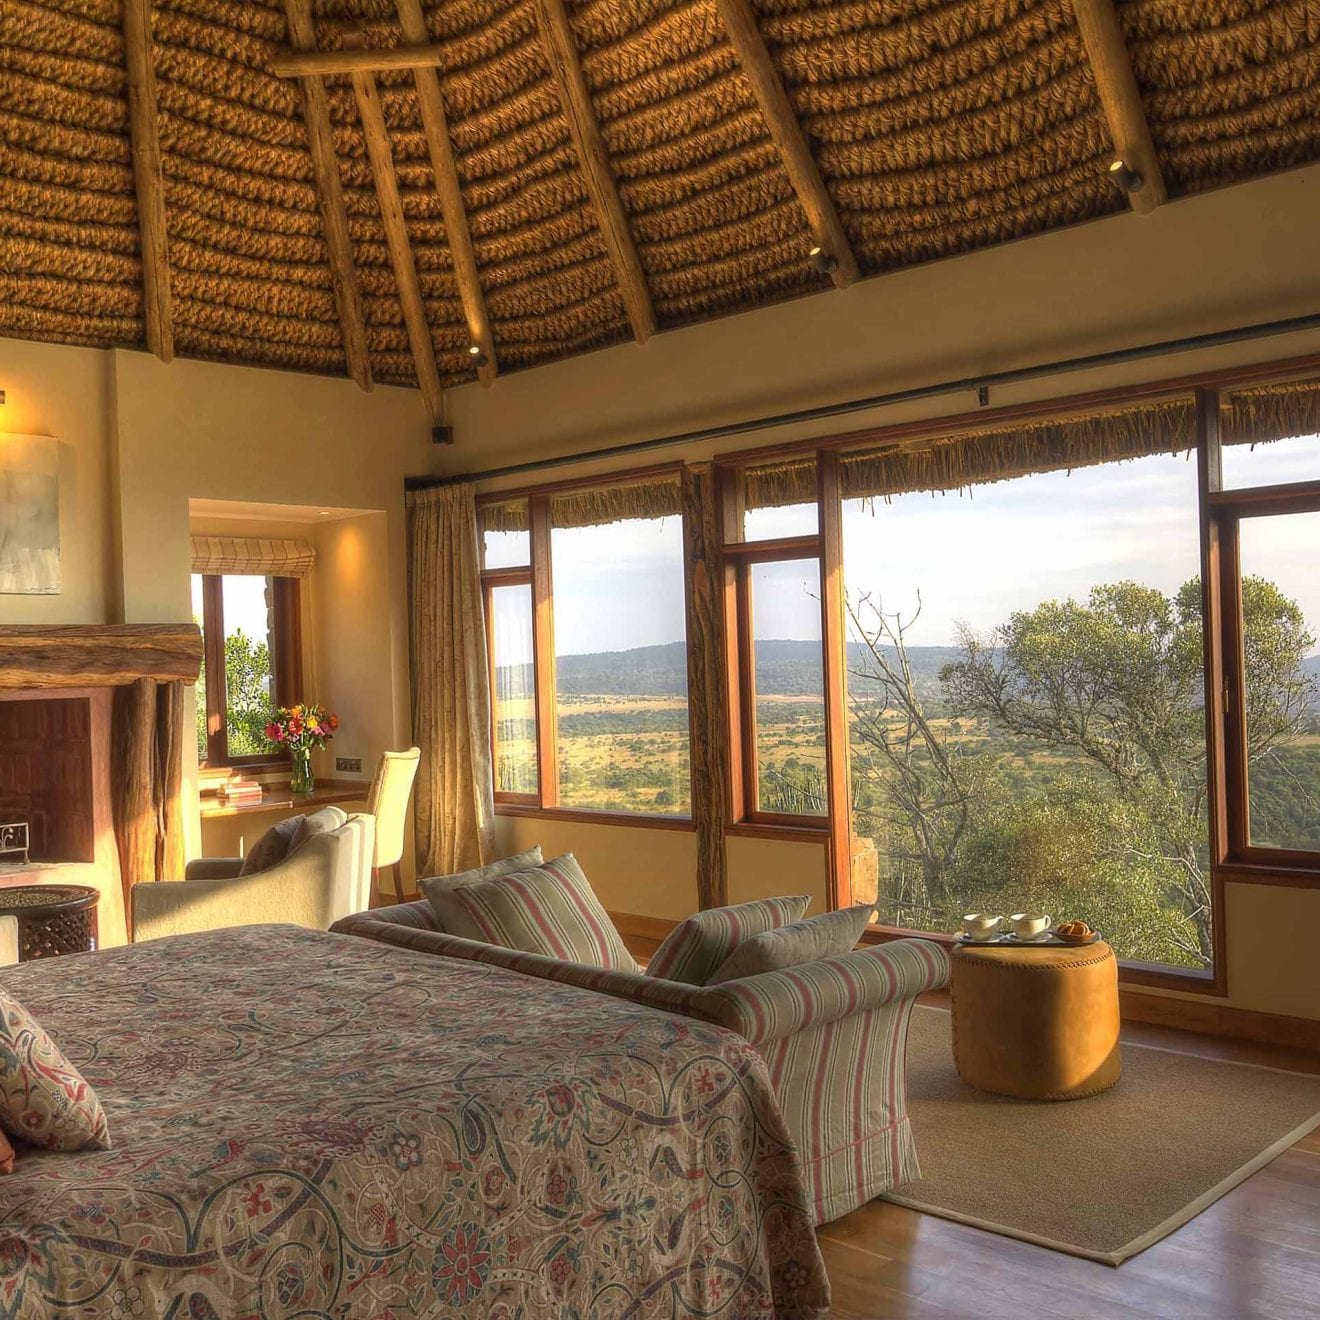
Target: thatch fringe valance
<point>654,498</point>
<point>510,516</point>
<point>1254,416</point>
<point>258,556</point>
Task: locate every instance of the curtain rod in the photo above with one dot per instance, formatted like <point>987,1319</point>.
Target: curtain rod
<point>1060,366</point>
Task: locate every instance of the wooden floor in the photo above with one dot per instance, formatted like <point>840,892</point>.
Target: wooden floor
<point>1255,1253</point>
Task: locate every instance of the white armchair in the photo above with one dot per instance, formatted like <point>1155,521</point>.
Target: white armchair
<point>324,879</point>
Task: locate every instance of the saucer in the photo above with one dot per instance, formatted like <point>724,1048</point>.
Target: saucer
<point>990,938</point>
<point>1039,938</point>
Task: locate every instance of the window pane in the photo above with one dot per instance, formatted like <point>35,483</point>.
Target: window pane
<point>1272,463</point>
<point>1281,620</point>
<point>249,672</point>
<point>1026,704</point>
<point>790,687</point>
<point>506,541</point>
<point>515,690</point>
<point>789,520</point>
<point>198,612</point>
<point>621,666</point>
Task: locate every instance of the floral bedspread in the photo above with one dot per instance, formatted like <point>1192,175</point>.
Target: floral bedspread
<point>316,1125</point>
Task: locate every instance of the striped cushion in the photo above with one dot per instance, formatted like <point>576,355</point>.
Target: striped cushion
<point>451,914</point>
<point>698,945</point>
<point>550,910</point>
<point>825,935</point>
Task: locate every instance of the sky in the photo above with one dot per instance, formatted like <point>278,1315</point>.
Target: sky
<point>974,556</point>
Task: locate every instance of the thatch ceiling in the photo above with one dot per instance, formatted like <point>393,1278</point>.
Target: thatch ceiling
<point>938,126</point>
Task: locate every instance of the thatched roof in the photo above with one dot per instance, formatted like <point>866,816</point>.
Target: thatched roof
<point>938,126</point>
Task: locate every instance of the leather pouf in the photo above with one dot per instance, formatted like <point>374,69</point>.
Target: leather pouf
<point>1037,1024</point>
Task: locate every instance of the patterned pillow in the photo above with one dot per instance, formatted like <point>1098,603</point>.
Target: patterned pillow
<point>823,936</point>
<point>43,1097</point>
<point>6,1155</point>
<point>696,947</point>
<point>273,846</point>
<point>550,910</point>
<point>452,915</point>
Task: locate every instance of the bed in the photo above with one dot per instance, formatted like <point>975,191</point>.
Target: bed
<point>309,1124</point>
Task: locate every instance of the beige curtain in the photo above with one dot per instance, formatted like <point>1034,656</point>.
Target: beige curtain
<point>454,804</point>
<point>263,556</point>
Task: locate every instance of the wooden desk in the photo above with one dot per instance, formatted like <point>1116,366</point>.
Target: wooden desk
<point>278,797</point>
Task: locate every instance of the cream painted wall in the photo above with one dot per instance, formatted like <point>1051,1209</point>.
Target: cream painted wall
<point>66,393</point>
<point>1210,262</point>
<point>142,438</point>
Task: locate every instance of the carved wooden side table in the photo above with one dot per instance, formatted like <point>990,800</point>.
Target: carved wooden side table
<point>52,919</point>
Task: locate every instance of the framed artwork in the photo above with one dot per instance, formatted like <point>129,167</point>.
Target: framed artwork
<point>29,515</point>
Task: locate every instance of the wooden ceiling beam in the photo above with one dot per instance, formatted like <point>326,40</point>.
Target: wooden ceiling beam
<point>330,194</point>
<point>304,63</point>
<point>400,246</point>
<point>148,178</point>
<point>575,98</point>
<point>444,167</point>
<point>786,133</point>
<point>1120,98</point>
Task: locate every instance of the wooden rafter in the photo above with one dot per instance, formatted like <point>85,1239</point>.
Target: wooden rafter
<point>330,193</point>
<point>1120,97</point>
<point>562,55</point>
<point>786,133</point>
<point>435,125</point>
<point>357,59</point>
<point>147,177</point>
<point>396,237</point>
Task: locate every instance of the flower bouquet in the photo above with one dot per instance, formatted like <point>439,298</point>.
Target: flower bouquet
<point>300,729</point>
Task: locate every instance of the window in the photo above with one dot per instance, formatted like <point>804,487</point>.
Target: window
<point>586,617</point>
<point>251,663</point>
<point>1027,722</point>
<point>1266,520</point>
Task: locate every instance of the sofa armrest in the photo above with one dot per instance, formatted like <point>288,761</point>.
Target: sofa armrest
<point>213,868</point>
<point>417,915</point>
<point>8,941</point>
<point>667,996</point>
<point>773,1005</point>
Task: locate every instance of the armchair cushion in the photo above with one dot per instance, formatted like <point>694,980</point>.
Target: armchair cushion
<point>549,910</point>
<point>44,1099</point>
<point>698,945</point>
<point>284,838</point>
<point>825,935</point>
<point>451,915</point>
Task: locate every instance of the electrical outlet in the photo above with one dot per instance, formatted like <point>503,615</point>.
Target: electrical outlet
<point>349,765</point>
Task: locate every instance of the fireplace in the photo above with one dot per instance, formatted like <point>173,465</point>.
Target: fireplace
<point>46,778</point>
<point>91,755</point>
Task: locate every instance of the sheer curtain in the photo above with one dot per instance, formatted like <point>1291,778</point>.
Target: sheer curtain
<point>454,804</point>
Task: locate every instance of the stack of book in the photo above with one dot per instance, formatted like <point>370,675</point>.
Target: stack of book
<point>238,791</point>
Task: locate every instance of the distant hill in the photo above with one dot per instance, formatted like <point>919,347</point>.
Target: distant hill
<point>783,668</point>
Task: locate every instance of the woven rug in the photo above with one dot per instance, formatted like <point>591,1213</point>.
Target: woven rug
<point>1104,1177</point>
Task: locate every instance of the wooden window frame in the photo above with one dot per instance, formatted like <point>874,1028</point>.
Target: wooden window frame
<point>286,665</point>
<point>1237,858</point>
<point>538,573</point>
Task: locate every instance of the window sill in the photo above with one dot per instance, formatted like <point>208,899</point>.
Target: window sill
<point>764,829</point>
<point>584,816</point>
<point>1157,975</point>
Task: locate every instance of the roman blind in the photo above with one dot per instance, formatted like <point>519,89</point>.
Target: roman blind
<point>258,556</point>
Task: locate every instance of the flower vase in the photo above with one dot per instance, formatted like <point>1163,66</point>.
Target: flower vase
<point>301,781</point>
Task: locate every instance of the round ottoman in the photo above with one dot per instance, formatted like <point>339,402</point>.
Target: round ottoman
<point>1038,1024</point>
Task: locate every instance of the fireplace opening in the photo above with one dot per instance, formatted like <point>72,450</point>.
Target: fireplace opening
<point>46,778</point>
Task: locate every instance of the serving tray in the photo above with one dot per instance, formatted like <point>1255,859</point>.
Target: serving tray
<point>1010,940</point>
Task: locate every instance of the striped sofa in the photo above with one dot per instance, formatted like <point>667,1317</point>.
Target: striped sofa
<point>833,1034</point>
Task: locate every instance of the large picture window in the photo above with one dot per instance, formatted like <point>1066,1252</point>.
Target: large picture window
<point>1066,661</point>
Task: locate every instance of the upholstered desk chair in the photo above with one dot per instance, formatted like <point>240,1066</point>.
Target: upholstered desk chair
<point>388,802</point>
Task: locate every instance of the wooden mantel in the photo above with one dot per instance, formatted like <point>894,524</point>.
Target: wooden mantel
<point>97,655</point>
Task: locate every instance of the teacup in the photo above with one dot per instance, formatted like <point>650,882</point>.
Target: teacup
<point>1030,925</point>
<point>981,926</point>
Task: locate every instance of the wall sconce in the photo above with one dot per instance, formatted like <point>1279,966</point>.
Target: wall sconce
<point>1126,179</point>
<point>479,359</point>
